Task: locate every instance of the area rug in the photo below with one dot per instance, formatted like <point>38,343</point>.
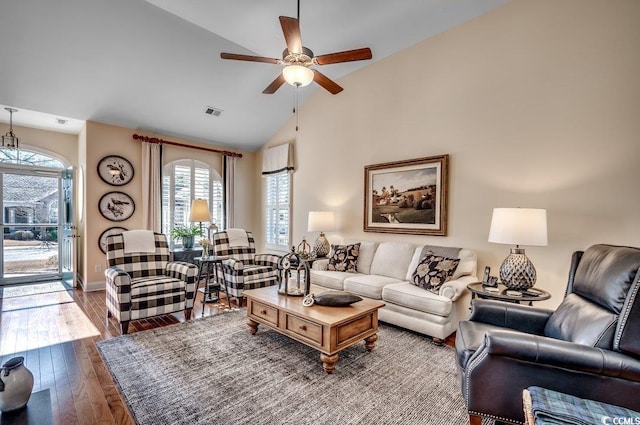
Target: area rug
<point>212,371</point>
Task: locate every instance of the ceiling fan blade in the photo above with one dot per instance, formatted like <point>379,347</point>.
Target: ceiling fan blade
<point>275,85</point>
<point>326,82</point>
<point>346,56</point>
<point>291,31</point>
<point>248,58</point>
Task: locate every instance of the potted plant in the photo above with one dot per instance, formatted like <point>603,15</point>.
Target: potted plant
<point>187,233</point>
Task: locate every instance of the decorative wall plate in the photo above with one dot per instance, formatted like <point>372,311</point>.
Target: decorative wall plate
<point>116,206</point>
<point>115,170</point>
<point>102,240</point>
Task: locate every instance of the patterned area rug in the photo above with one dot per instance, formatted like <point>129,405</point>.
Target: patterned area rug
<point>212,371</point>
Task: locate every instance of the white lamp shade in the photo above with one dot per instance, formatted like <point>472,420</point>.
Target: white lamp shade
<point>297,75</point>
<point>519,226</point>
<point>321,221</point>
<point>199,211</point>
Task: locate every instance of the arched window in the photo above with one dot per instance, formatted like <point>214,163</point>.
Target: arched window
<point>29,157</point>
<point>183,181</point>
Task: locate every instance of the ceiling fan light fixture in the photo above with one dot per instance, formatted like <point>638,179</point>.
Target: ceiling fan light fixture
<point>297,75</point>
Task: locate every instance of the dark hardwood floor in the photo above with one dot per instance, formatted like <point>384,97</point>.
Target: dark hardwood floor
<point>57,334</point>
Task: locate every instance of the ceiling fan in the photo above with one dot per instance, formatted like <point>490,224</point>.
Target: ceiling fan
<point>297,60</point>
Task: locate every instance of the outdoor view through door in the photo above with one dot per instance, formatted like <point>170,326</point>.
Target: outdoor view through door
<point>33,210</point>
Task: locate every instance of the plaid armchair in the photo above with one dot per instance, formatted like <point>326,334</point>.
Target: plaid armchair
<point>244,269</point>
<point>141,285</point>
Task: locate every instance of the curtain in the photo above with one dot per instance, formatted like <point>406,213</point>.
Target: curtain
<point>229,170</point>
<point>277,159</point>
<point>152,186</point>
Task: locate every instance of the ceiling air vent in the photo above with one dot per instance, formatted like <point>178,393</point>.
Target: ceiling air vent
<point>210,110</point>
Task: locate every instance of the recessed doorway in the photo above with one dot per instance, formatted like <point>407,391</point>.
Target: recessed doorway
<point>36,215</point>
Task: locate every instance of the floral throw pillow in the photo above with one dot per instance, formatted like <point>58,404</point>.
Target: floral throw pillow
<point>433,271</point>
<point>344,258</point>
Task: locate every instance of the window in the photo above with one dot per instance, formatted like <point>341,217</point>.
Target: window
<point>29,157</point>
<point>277,211</point>
<point>182,182</point>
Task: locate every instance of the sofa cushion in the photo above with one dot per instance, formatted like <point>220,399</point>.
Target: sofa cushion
<point>467,266</point>
<point>344,258</point>
<point>365,257</point>
<point>392,259</point>
<point>368,285</point>
<point>408,295</point>
<point>433,271</point>
<point>330,279</point>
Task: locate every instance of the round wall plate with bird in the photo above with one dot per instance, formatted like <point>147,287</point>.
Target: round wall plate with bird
<point>116,206</point>
<point>115,170</point>
<point>102,240</point>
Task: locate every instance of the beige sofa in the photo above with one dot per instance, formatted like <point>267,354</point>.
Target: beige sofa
<point>384,273</point>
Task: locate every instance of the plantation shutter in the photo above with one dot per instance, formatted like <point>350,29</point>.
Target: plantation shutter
<point>277,166</point>
<point>182,200</point>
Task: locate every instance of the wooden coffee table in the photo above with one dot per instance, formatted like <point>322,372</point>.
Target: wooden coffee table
<point>327,329</point>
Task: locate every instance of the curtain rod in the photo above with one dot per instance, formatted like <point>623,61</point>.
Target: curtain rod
<point>184,145</point>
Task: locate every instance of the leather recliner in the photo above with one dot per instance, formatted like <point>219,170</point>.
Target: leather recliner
<point>588,347</point>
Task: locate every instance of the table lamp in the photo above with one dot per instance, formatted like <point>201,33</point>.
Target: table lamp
<point>320,221</point>
<point>518,226</point>
<point>199,212</point>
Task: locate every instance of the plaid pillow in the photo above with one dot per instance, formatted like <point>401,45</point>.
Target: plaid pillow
<point>433,271</point>
<point>344,258</point>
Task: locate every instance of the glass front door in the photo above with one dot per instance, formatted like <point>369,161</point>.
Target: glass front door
<point>31,225</point>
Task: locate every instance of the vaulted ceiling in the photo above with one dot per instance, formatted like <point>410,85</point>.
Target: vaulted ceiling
<point>155,65</point>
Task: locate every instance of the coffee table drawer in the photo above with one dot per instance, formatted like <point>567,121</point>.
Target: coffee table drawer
<point>265,312</point>
<point>305,329</point>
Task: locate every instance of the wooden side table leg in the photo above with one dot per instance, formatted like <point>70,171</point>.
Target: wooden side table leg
<point>370,342</point>
<point>253,326</point>
<point>328,362</point>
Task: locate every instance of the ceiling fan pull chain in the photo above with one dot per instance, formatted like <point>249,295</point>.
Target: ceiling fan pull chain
<point>295,108</point>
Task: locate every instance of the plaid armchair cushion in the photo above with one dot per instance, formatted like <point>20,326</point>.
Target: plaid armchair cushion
<point>138,264</point>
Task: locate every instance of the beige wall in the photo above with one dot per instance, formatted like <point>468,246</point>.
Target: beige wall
<point>101,140</point>
<point>81,210</point>
<point>537,104</point>
<point>105,140</point>
<point>96,140</point>
<point>61,145</point>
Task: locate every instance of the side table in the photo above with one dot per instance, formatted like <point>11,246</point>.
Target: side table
<point>186,255</point>
<point>529,296</point>
<point>205,264</point>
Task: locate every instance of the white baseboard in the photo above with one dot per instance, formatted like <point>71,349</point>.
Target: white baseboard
<point>93,286</point>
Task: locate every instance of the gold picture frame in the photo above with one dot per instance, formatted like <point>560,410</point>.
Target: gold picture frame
<point>407,196</point>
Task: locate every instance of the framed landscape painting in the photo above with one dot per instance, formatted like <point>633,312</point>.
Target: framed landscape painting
<point>407,196</point>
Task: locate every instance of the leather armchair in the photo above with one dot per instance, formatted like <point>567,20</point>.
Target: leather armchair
<point>588,347</point>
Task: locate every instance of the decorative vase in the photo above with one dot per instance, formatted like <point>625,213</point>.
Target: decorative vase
<point>517,271</point>
<point>16,383</point>
<point>187,242</point>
